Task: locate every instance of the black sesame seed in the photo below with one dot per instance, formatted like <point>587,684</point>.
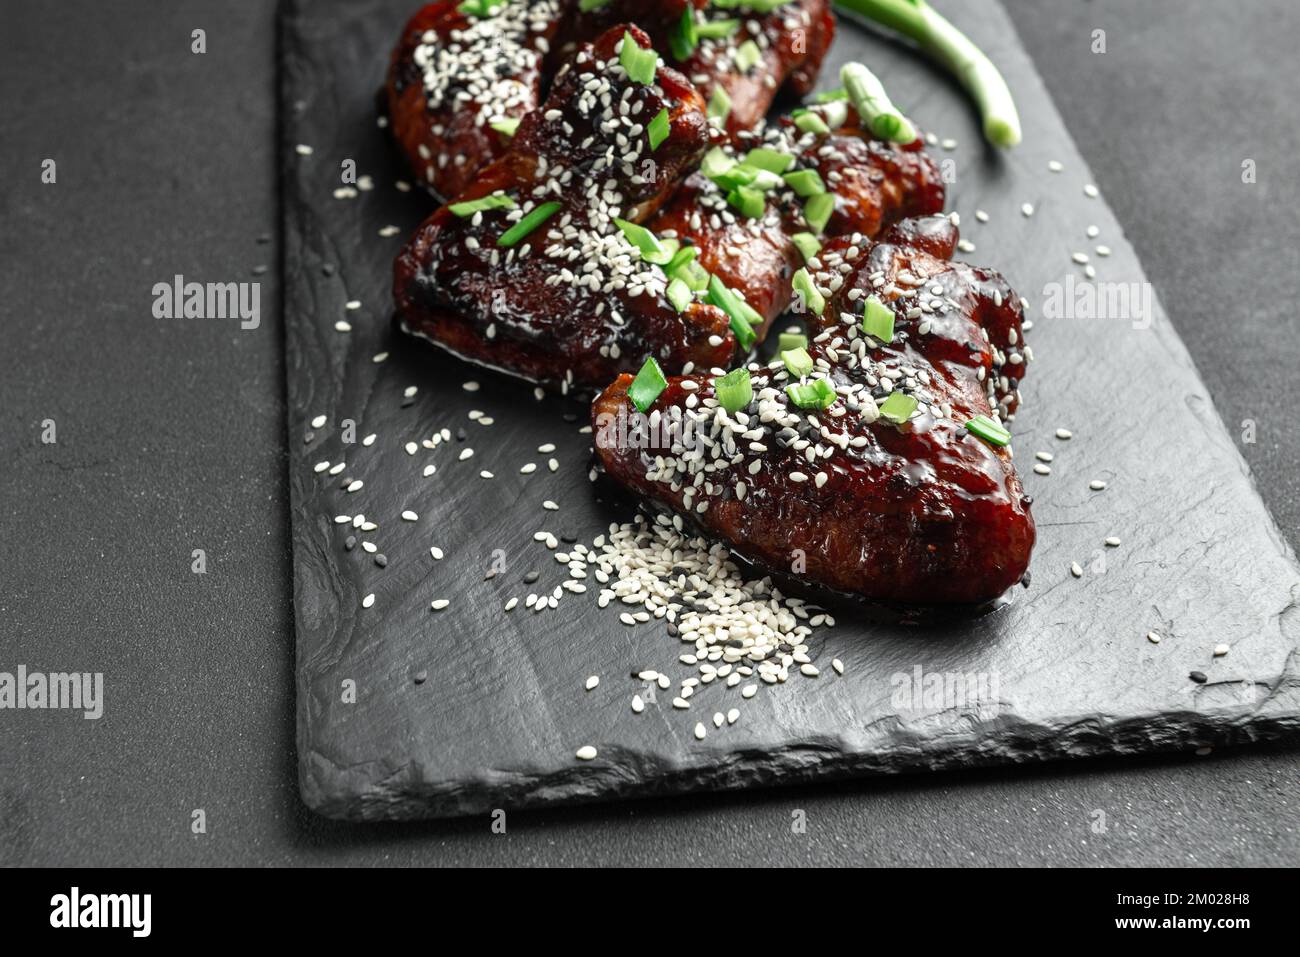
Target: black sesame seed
<point>460,435</point>
<point>568,538</point>
<point>531,577</point>
<point>381,560</point>
<point>327,269</point>
<point>264,238</point>
<point>408,402</point>
<point>1026,500</point>
<point>1026,579</point>
<point>308,437</point>
<point>259,270</point>
<point>569,417</point>
<point>673,630</point>
<point>421,676</point>
<point>349,543</point>
<point>785,648</point>
<point>1198,677</point>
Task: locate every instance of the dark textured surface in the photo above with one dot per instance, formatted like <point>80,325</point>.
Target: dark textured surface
<point>1067,668</point>
<point>174,437</point>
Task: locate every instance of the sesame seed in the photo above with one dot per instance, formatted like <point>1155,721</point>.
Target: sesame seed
<point>1112,542</point>
<point>1096,485</point>
<point>352,304</point>
<point>838,666</point>
<point>592,682</point>
<point>1042,469</point>
<point>436,552</point>
<point>637,704</point>
<point>438,604</point>
<point>410,516</point>
<point>465,453</point>
<point>318,422</point>
<point>368,600</point>
<point>1090,191</point>
<point>733,716</point>
<point>585,753</point>
<point>700,731</point>
<point>1153,637</point>
<point>1044,456</point>
<point>1055,166</point>
<point>1027,209</point>
<point>342,326</point>
<point>1064,434</point>
<point>1076,570</point>
<point>470,386</point>
<point>1220,650</point>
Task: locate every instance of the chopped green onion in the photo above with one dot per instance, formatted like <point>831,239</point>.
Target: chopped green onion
<point>717,29</point>
<point>791,340</point>
<point>646,242</point>
<point>811,123</point>
<point>479,8</point>
<point>749,201</point>
<point>939,38</point>
<point>679,294</point>
<point>817,210</point>
<point>757,6</point>
<point>472,206</point>
<point>803,284</point>
<point>807,245</point>
<point>747,56</point>
<point>586,6</point>
<point>684,36</point>
<point>878,320</point>
<point>836,113</point>
<point>506,127</point>
<point>658,128</point>
<point>831,96</point>
<point>682,256</point>
<point>773,161</point>
<point>805,182</point>
<point>640,64</point>
<point>526,225</point>
<point>797,361</point>
<point>647,385</point>
<point>873,105</point>
<point>716,162</point>
<point>734,390</point>
<point>694,275</point>
<point>989,430</point>
<point>742,315</point>
<point>897,407</point>
<point>818,394</point>
<point>719,105</point>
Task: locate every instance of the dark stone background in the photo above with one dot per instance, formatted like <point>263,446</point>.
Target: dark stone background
<point>171,437</point>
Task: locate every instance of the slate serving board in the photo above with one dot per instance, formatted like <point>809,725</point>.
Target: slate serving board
<point>404,712</point>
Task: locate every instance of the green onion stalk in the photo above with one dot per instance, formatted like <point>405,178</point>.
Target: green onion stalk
<point>919,21</point>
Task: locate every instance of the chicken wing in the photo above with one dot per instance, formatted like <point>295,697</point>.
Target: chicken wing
<point>567,301</point>
<point>854,466</point>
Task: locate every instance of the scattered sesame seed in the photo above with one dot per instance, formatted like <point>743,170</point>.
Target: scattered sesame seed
<point>1076,570</point>
<point>318,422</point>
<point>1220,650</point>
<point>1027,209</point>
<point>838,666</point>
<point>1044,456</point>
<point>1112,542</point>
<point>342,326</point>
<point>410,516</point>
<point>592,682</point>
<point>470,386</point>
<point>302,149</point>
<point>733,716</point>
<point>637,704</point>
<point>465,453</point>
<point>1090,191</point>
<point>1064,434</point>
<point>982,216</point>
<point>485,474</point>
<point>1103,250</point>
<point>438,604</point>
<point>1153,637</point>
<point>585,753</point>
<point>1042,469</point>
<point>1055,166</point>
<point>368,600</point>
<point>1096,485</point>
<point>387,231</point>
<point>700,731</point>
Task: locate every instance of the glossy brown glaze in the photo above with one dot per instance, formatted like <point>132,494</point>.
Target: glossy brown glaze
<point>572,304</point>
<point>793,40</point>
<point>478,71</point>
<point>876,183</point>
<point>924,512</point>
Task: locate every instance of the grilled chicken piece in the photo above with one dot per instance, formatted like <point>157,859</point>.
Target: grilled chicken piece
<point>453,74</point>
<point>876,183</point>
<point>920,512</point>
<point>791,42</point>
<point>572,303</point>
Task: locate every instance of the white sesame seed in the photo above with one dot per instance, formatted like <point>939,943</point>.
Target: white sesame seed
<point>1055,166</point>
<point>1042,469</point>
<point>809,669</point>
<point>1090,191</point>
<point>510,605</point>
<point>1064,434</point>
<point>700,731</point>
<point>368,600</point>
<point>585,753</point>
<point>637,704</point>
<point>470,386</point>
<point>1112,542</point>
<point>1076,570</point>
<point>438,604</point>
<point>1220,650</point>
<point>352,304</point>
<point>1153,637</point>
<point>318,422</point>
<point>1096,485</point>
<point>436,552</point>
<point>838,666</point>
<point>465,454</point>
<point>342,326</point>
<point>410,516</point>
<point>592,682</point>
<point>1027,209</point>
<point>733,716</point>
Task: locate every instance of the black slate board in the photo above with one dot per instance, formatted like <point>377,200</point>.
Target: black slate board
<point>503,708</point>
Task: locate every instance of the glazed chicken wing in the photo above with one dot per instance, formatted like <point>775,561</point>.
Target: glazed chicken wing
<point>853,464</point>
<point>535,268</point>
<point>873,183</point>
